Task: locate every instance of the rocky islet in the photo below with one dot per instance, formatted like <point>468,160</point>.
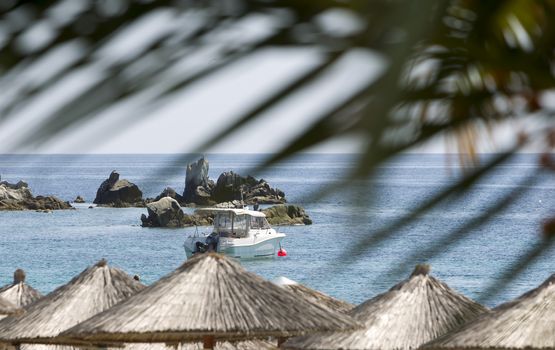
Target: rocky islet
<point>230,190</point>
<point>19,197</point>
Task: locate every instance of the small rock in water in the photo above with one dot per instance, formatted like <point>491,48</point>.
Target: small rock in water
<point>79,199</point>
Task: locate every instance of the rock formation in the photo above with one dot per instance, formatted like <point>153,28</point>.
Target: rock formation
<point>170,192</point>
<point>79,199</point>
<point>287,215</point>
<point>262,193</point>
<point>16,192</point>
<point>167,212</point>
<point>233,205</point>
<point>198,187</point>
<point>19,197</point>
<point>278,215</point>
<point>230,186</point>
<point>118,193</point>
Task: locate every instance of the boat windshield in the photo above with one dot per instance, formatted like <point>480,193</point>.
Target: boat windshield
<point>258,223</point>
<point>223,222</point>
<point>240,225</point>
<point>230,225</point>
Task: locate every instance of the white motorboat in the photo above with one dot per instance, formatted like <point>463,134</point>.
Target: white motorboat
<point>240,233</point>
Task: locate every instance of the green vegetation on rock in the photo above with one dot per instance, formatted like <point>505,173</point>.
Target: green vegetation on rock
<point>287,215</point>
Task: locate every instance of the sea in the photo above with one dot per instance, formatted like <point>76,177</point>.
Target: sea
<point>472,240</point>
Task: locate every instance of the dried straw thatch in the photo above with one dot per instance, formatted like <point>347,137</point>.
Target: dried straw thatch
<point>209,297</point>
<point>410,314</point>
<point>313,296</point>
<point>45,347</point>
<point>526,322</point>
<point>19,292</point>
<point>7,308</point>
<point>241,345</point>
<point>96,289</point>
<point>224,345</point>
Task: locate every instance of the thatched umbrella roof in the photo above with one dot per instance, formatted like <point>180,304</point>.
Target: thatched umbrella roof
<point>7,308</point>
<point>313,295</point>
<point>96,289</point>
<point>412,313</point>
<point>242,345</point>
<point>19,292</point>
<point>224,345</point>
<point>210,297</point>
<point>526,322</point>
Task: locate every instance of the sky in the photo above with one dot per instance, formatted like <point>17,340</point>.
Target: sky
<point>210,105</point>
<point>180,122</point>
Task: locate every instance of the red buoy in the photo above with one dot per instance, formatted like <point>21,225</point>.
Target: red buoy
<point>282,252</point>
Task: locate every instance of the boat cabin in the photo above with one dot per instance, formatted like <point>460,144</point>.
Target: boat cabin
<point>237,223</point>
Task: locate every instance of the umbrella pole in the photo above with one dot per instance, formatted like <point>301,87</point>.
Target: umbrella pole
<point>208,342</point>
<point>280,341</point>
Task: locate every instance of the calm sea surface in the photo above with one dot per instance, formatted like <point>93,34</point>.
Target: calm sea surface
<point>54,247</point>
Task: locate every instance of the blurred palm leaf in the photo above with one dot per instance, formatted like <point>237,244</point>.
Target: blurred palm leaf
<point>454,69</point>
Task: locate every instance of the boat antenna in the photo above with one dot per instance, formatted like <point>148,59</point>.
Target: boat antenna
<point>242,200</point>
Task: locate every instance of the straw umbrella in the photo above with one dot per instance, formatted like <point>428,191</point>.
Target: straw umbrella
<point>224,345</point>
<point>209,298</point>
<point>241,345</point>
<point>526,322</point>
<point>124,281</point>
<point>7,308</point>
<point>19,292</point>
<point>411,313</point>
<point>312,295</point>
<point>96,289</point>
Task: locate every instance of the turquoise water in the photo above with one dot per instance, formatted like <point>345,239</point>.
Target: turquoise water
<point>54,247</point>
